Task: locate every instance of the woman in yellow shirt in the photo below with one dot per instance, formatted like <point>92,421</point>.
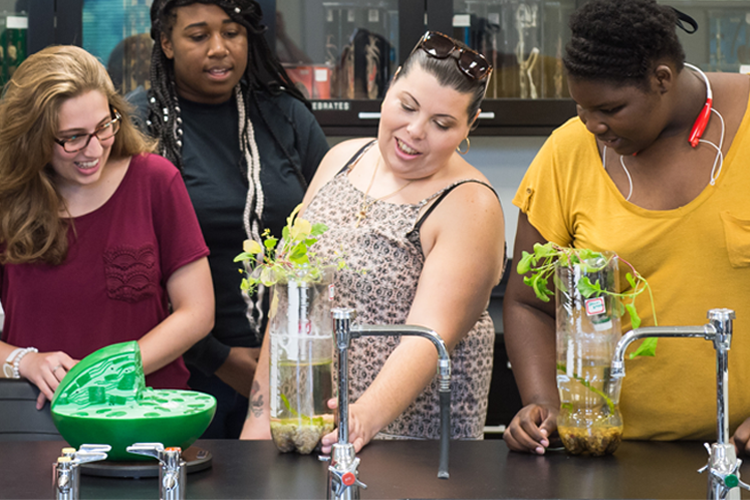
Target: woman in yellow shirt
<point>654,168</point>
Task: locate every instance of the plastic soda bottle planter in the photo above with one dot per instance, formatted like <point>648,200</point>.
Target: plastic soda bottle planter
<point>301,362</point>
<point>588,329</point>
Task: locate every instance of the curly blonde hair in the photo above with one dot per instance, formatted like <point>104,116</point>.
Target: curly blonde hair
<point>31,228</point>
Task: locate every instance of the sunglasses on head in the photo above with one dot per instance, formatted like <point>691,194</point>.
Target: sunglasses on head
<point>470,62</point>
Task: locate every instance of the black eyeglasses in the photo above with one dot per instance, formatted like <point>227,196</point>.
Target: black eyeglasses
<point>79,142</point>
<point>470,62</point>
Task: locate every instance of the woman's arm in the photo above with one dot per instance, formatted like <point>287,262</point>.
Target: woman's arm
<point>191,294</point>
<point>258,422</point>
<point>463,240</point>
<point>529,327</point>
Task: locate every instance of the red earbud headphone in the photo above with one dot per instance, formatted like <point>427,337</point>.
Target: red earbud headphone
<point>702,121</point>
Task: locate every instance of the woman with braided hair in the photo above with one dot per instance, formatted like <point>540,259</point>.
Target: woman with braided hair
<point>227,115</point>
<point>654,168</point>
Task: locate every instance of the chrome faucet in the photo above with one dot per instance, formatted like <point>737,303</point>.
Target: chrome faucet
<point>66,472</point>
<point>172,468</point>
<point>343,477</point>
<point>723,464</point>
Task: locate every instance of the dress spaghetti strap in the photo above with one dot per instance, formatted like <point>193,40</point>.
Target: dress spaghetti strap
<point>355,158</point>
<point>442,194</point>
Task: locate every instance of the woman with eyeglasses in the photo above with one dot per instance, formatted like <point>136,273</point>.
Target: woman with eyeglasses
<point>226,113</point>
<point>654,168</point>
<point>428,229</point>
<point>99,243</point>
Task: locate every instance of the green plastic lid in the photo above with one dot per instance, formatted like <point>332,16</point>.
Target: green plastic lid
<point>104,400</point>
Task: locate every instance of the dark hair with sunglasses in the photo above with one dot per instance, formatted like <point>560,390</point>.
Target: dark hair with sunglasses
<point>454,64</point>
<point>620,40</point>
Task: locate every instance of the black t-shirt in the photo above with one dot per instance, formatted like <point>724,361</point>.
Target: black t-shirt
<point>214,174</point>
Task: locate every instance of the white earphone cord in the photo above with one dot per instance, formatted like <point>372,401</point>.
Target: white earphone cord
<point>719,155</point>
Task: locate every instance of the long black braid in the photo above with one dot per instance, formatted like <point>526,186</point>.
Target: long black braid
<point>264,74</point>
<point>620,40</point>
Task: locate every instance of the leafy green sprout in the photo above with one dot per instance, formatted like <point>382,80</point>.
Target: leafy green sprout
<point>269,262</point>
<point>538,269</point>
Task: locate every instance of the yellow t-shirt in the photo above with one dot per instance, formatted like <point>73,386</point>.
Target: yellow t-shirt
<point>696,257</point>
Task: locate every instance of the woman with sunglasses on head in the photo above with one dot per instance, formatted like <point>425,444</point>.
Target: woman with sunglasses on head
<point>226,113</point>
<point>428,229</point>
<point>654,168</point>
<point>98,241</point>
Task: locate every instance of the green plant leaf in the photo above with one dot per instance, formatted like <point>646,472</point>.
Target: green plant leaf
<point>524,265</point>
<point>318,229</point>
<point>543,250</point>
<point>270,242</point>
<point>631,280</point>
<point>539,284</point>
<point>589,289</point>
<point>298,252</point>
<point>647,348</point>
<point>252,247</point>
<point>301,229</point>
<point>244,256</point>
<point>635,321</point>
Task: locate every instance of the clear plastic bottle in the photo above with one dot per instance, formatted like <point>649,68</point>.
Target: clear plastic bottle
<point>301,361</point>
<point>588,329</point>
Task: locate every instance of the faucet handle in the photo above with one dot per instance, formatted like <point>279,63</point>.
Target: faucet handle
<point>148,449</point>
<point>732,481</point>
<point>86,453</point>
<point>345,478</point>
<point>725,472</point>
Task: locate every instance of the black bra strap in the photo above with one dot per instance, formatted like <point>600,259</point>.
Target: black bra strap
<point>440,198</point>
<point>355,158</point>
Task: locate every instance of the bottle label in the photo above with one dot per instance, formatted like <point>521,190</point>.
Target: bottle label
<point>594,306</point>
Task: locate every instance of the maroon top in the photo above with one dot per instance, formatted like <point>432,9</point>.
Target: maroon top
<point>112,286</point>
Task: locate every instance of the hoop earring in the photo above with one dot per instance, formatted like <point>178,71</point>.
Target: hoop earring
<point>468,146</point>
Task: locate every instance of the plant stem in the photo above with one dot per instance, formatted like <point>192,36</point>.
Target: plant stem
<point>586,384</point>
<point>304,418</point>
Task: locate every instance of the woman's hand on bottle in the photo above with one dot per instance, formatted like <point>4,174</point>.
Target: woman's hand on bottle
<point>532,428</point>
<point>360,430</point>
<point>45,370</point>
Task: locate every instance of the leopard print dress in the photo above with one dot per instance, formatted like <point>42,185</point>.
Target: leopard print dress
<point>387,245</point>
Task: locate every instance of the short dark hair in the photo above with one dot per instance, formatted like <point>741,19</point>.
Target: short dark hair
<point>621,40</point>
<point>448,75</point>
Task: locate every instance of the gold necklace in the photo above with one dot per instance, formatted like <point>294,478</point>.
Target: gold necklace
<point>362,213</point>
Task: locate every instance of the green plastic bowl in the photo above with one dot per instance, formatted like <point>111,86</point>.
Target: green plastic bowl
<point>104,400</point>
